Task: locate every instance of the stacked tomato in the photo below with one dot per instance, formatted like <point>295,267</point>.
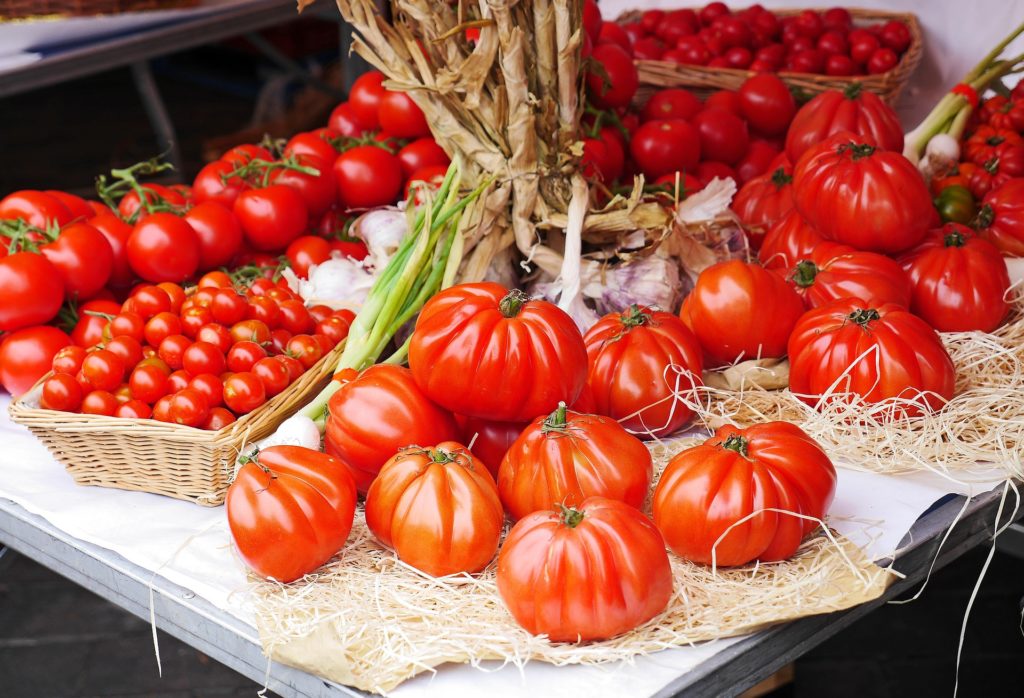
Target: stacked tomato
<point>755,39</point>
<point>199,359</point>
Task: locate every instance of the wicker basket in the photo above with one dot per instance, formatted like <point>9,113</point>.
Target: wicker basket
<point>659,74</point>
<point>159,457</point>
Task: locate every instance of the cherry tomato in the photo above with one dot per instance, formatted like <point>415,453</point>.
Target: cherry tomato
<point>345,122</point>
<point>862,45</point>
<point>306,349</point>
<point>401,117</point>
<point>127,324</point>
<point>243,355</point>
<point>195,318</point>
<point>727,100</point>
<point>271,217</point>
<point>218,419</point>
<point>273,374</point>
<point>295,369</point>
<point>422,152</point>
<point>660,147</point>
<point>103,369</point>
<point>364,99</point>
<point>251,331</point>
<point>161,326</point>
<point>279,339</point>
<point>172,349</point>
<point>132,211</point>
<point>99,402</point>
<point>133,409</point>
<point>175,292</point>
<point>244,392</point>
<point>294,317</point>
<point>203,357</point>
<point>68,360</point>
<point>723,135</point>
<point>313,144</point>
<point>367,176</point>
<point>148,382</point>
<point>149,301</point>
<point>318,191</point>
<point>215,279</point>
<point>245,153</point>
<point>671,103</point>
<point>162,409</point>
<point>882,61</point>
<point>218,232</point>
<point>210,184</point>
<point>127,349</point>
<point>767,104</point>
<point>61,392</point>
<point>93,318</point>
<point>263,309</point>
<point>188,407</point>
<point>306,251</point>
<point>616,87</point>
<point>210,386</point>
<point>896,36</point>
<point>228,306</point>
<point>164,247</point>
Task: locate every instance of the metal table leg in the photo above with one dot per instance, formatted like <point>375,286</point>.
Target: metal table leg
<point>157,113</point>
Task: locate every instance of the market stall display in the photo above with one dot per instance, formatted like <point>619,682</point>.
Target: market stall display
<point>569,274</point>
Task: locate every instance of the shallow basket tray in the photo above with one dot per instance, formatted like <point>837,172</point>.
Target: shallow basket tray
<point>656,75</point>
<point>159,457</point>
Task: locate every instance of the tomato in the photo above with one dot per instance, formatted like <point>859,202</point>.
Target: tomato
<point>856,110</point>
<point>438,508</point>
<point>212,389</point>
<point>305,251</point>
<point>671,103</point>
<point>215,279</point>
<point>131,209</point>
<point>1001,218</point>
<point>27,354</point>
<point>422,152</point>
<point>848,348</point>
<point>401,117</point>
<point>271,217</point>
<point>767,104</point>
<point>367,176</point>
<point>564,457</point>
<point>273,374</point>
<point>68,360</point>
<point>304,348</point>
<point>855,193</point>
<point>365,97</point>
<point>762,202</point>
<point>956,204</point>
<point>489,440</point>
<point>163,247</point>
<point>488,352</point>
<point>99,402</point>
<point>984,143</point>
<point>959,281</point>
<point>161,326</point>
<point>178,380</point>
<point>263,309</point>
<point>295,318</point>
<point>834,271</point>
<point>133,409</point>
<point>38,209</point>
<point>243,355</point>
<point>715,502</point>
<point>203,357</point>
<point>93,318</point>
<point>290,509</point>
<point>148,383</point>
<point>244,392</point>
<point>127,324</point>
<point>83,258</point>
<point>740,311</point>
<point>127,349</point>
<point>116,233</point>
<point>227,307</point>
<point>312,146</point>
<point>377,412</point>
<point>661,147</point>
<point>189,408</point>
<point>640,363</point>
<point>32,290</point>
<point>586,573</point>
<point>61,392</point>
<point>1000,112</point>
<point>318,191</point>
<point>614,88</point>
<point>344,121</point>
<point>218,419</point>
<point>882,61</point>
<point>250,330</point>
<point>218,233</point>
<point>171,349</point>
<point>211,184</point>
<point>592,20</point>
<point>723,135</point>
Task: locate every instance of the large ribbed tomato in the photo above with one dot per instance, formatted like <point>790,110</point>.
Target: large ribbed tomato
<point>741,311</point>
<point>586,573</point>
<point>377,412</point>
<point>640,360</point>
<point>290,509</point>
<point>880,352</point>
<point>787,242</point>
<point>855,110</point>
<point>833,271</point>
<point>489,440</point>
<point>855,193</point>
<point>763,201</point>
<point>709,488</point>
<point>437,508</point>
<point>1001,218</point>
<point>959,281</point>
<point>484,351</point>
<point>567,456</point>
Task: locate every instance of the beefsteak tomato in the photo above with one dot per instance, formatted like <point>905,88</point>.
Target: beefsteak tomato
<point>1001,218</point>
<point>834,271</point>
<point>489,440</point>
<point>787,242</point>
<point>762,202</point>
<point>855,110</point>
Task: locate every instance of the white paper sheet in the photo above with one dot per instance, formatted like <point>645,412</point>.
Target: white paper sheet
<point>190,546</point>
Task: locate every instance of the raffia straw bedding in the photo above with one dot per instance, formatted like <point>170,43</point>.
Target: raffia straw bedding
<point>369,621</point>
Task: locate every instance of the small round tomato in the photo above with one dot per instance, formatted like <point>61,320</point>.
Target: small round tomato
<point>367,176</point>
<point>93,318</point>
<point>401,117</point>
<point>148,383</point>
<point>294,317</point>
<point>61,392</point>
<point>306,349</point>
<point>218,232</point>
<point>128,349</point>
<point>203,357</point>
<point>615,86</point>
<point>68,360</point>
<point>263,309</point>
<point>215,334</point>
<point>162,409</point>
<point>228,306</point>
<point>244,392</point>
<point>671,103</point>
<point>316,187</point>
<point>194,319</point>
<point>271,217</point>
<point>305,251</point>
<point>215,279</point>
<point>218,419</point>
<point>188,407</point>
<point>164,247</point>
<point>422,152</point>
<point>99,402</point>
<point>250,331</point>
<point>660,147</point>
<point>133,409</point>
<point>279,339</point>
<point>160,326</point>
<point>175,292</point>
<point>767,104</point>
<point>334,328</point>
<point>273,374</point>
<point>150,300</point>
<point>178,380</point>
<point>313,144</point>
<point>172,349</point>
<point>364,99</point>
<point>103,369</point>
<point>211,386</point>
<point>295,369</point>
<point>213,184</point>
<point>243,355</point>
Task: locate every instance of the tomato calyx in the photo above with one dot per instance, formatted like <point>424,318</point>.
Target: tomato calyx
<point>570,516</point>
<point>245,275</point>
<point>253,457</point>
<point>954,239</point>
<point>601,117</point>
<point>441,456</point>
<point>126,179</point>
<point>345,143</point>
<point>864,316</point>
<point>994,140</point>
<point>984,218</point>
<point>513,302</point>
<point>737,443</point>
<point>25,237</point>
<point>853,90</point>
<point>991,166</point>
<point>556,421</point>
<point>257,172</point>
<point>857,150</point>
<point>804,273</point>
<point>780,179</point>
<point>633,316</point>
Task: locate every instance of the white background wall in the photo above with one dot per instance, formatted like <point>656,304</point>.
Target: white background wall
<point>957,34</point>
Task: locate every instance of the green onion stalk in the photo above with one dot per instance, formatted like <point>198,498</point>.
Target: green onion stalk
<point>426,261</point>
<point>934,146</point>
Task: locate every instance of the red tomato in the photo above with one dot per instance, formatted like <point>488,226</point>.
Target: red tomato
<point>32,290</point>
<point>68,360</point>
<point>211,387</point>
<point>431,177</point>
<point>422,152</point>
<point>131,209</point>
<point>762,202</point>
<point>592,20</point>
<point>640,363</point>
<point>767,104</point>
<point>61,392</point>
<point>227,307</point>
<point>178,380</point>
<point>245,153</point>
<point>218,232</point>
<point>133,409</point>
<point>862,45</point>
<point>706,492</point>
<point>189,407</point>
<point>377,412</point>
<point>149,300</point>
<point>1002,113</point>
<point>244,392</point>
<point>305,251</point>
<point>271,217</point>
<point>312,145</point>
<point>148,383</point>
<point>127,349</point>
<point>161,326</point>
<point>318,191</point>
<point>489,440</point>
<point>648,48</point>
<point>218,419</point>
<point>661,147</point>
<point>585,573</point>
<point>117,233</point>
<point>211,184</point>
<point>856,110</point>
<point>344,121</point>
<point>99,402</point>
<point>740,311</point>
<point>367,176</point>
<point>723,135</point>
<point>726,100</point>
<point>471,337</point>
<point>834,271</point>
<point>852,192</point>
<point>38,209</point>
<point>1001,218</point>
<point>616,87</point>
<point>243,355</point>
<point>438,508</point>
<point>93,318</point>
<point>164,247</point>
<point>566,457</point>
<point>273,374</point>
<point>290,509</point>
<point>83,257</point>
<point>306,349</point>
<point>671,103</point>
<point>26,356</point>
<point>250,330</point>
<point>959,281</point>
<point>676,24</point>
<point>171,349</point>
<point>708,170</point>
<point>127,324</point>
<point>364,99</point>
<point>203,357</point>
<point>294,317</point>
<point>401,117</point>
<point>882,61</point>
<point>848,348</point>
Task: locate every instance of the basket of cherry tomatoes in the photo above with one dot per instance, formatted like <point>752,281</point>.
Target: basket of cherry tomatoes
<point>715,47</point>
<point>202,374</point>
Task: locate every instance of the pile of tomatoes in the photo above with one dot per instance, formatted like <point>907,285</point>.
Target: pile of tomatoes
<point>200,359</point>
<point>756,39</point>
